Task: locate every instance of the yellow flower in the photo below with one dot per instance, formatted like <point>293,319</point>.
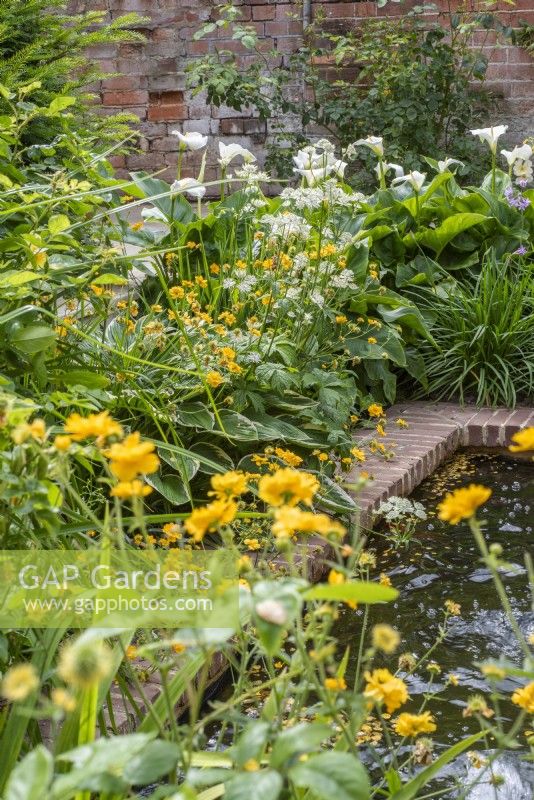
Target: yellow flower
<point>19,682</point>
<point>525,698</point>
<point>288,487</point>
<point>252,544</point>
<point>493,672</point>
<point>288,520</point>
<point>84,665</point>
<point>462,503</point>
<point>176,293</point>
<point>453,608</point>
<point>231,484</point>
<point>524,440</point>
<point>62,442</point>
<point>358,454</point>
<point>34,430</point>
<point>375,410</point>
<point>383,687</point>
<point>214,379</point>
<point>385,638</point>
<point>372,340</point>
<point>337,579</point>
<point>132,457</point>
<point>292,459</point>
<point>228,353</point>
<point>384,580</point>
<point>100,426</point>
<point>209,518</point>
<point>251,765</point>
<point>341,319</point>
<point>126,489</point>
<point>63,700</point>
<point>414,724</point>
<point>131,652</point>
<point>401,423</point>
<point>335,684</point>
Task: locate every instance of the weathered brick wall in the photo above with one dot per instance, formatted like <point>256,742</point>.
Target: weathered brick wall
<point>152,81</point>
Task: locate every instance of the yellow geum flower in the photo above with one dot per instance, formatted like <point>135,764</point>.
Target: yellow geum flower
<point>214,379</point>
<point>100,426</point>
<point>290,458</point>
<point>231,484</point>
<point>19,682</point>
<point>524,441</point>
<point>525,698</point>
<point>132,457</point>
<point>335,684</point>
<point>83,665</point>
<point>385,638</point>
<point>127,489</point>
<point>383,687</point>
<point>209,518</point>
<point>375,410</point>
<point>62,442</point>
<point>288,520</point>
<point>414,724</point>
<point>63,700</point>
<point>462,503</point>
<point>33,430</point>
<point>288,487</point>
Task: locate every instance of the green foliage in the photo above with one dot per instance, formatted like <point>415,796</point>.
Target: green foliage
<point>41,43</point>
<point>484,331</point>
<point>384,78</point>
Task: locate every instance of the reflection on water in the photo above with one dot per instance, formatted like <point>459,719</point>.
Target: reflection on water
<point>442,563</point>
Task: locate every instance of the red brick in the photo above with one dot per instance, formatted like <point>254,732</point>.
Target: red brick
<point>170,112</point>
<point>232,126</point>
<point>263,12</point>
<point>124,99</point>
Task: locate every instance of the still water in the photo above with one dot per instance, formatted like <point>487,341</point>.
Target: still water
<point>441,563</point>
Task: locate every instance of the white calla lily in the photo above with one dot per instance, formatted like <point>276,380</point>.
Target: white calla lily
<point>490,135</point>
<point>443,166</point>
<point>415,179</point>
<point>190,186</point>
<point>313,176</point>
<point>375,143</point>
<point>520,153</point>
<point>192,141</point>
<point>153,213</point>
<point>309,158</point>
<point>382,168</point>
<point>228,152</point>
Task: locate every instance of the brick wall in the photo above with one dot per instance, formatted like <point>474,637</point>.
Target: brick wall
<point>152,83</point>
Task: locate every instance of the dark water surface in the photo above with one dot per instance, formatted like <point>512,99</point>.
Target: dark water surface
<point>441,563</point>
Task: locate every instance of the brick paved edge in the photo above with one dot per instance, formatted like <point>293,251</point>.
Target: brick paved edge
<point>434,432</point>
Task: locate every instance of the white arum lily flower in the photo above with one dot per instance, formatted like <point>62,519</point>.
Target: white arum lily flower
<point>519,153</point>
<point>153,213</point>
<point>309,158</point>
<point>228,152</point>
<point>191,187</point>
<point>490,135</point>
<point>415,179</point>
<point>313,176</point>
<point>338,168</point>
<point>192,141</point>
<point>382,168</point>
<point>443,166</point>
<point>375,143</point>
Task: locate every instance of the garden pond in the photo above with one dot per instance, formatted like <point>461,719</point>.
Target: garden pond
<point>442,563</point>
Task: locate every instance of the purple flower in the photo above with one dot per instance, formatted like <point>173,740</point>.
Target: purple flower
<point>516,200</point>
<point>521,251</point>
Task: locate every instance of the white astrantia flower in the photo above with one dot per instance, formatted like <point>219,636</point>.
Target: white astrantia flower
<point>190,186</point>
<point>282,226</point>
<point>228,152</point>
<point>523,171</point>
<point>415,179</point>
<point>520,153</point>
<point>490,135</point>
<point>443,166</point>
<point>375,143</point>
<point>192,141</point>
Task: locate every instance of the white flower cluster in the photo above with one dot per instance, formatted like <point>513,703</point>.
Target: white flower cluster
<point>285,226</point>
<point>398,508</point>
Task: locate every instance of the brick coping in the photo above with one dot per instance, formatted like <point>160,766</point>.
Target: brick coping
<point>435,431</point>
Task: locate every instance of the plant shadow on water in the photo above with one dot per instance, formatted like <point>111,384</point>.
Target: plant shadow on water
<point>442,563</point>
